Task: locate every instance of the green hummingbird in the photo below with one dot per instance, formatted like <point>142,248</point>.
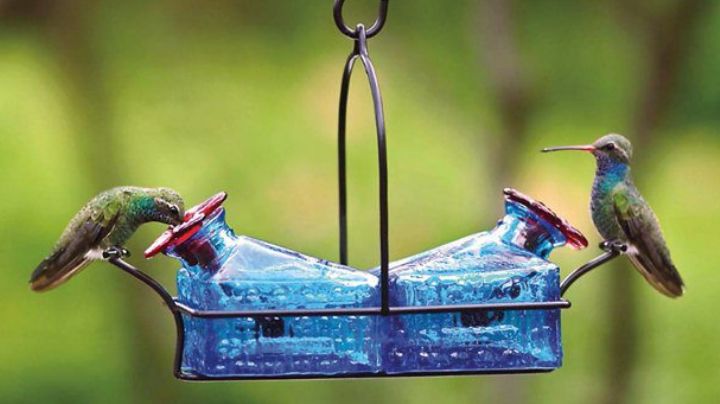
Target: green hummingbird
<point>621,215</point>
<point>101,227</point>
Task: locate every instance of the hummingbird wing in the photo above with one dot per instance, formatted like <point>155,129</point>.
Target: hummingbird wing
<point>647,249</point>
<point>81,240</point>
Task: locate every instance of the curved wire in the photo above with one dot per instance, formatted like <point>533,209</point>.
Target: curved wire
<point>374,28</point>
<point>610,254</point>
<point>360,52</point>
<point>169,301</point>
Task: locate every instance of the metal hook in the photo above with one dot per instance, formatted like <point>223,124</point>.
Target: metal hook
<point>374,28</point>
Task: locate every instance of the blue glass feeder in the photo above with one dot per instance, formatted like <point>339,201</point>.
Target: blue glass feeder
<point>225,272</point>
<point>247,309</point>
<point>505,265</point>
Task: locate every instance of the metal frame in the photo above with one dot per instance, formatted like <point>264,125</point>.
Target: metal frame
<point>179,310</point>
<point>360,51</point>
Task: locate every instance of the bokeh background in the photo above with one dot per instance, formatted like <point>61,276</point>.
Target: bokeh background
<point>242,96</point>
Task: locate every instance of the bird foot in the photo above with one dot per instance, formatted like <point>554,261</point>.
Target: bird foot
<point>613,246</point>
<point>115,252</point>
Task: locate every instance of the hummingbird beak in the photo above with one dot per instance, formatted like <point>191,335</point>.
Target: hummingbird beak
<point>588,148</point>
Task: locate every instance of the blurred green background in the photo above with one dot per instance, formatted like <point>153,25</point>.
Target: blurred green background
<point>242,97</point>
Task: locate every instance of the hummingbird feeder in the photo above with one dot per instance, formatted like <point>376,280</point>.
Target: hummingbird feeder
<point>487,303</point>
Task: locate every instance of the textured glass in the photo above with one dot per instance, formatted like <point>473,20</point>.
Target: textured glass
<point>225,272</point>
<point>506,264</point>
<point>229,272</point>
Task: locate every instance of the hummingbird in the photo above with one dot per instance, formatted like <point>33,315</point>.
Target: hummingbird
<point>621,215</point>
<point>101,227</point>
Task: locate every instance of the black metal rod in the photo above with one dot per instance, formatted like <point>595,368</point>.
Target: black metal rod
<point>192,377</point>
<point>360,51</point>
<point>342,176</point>
<point>373,311</point>
<point>589,266</point>
<point>169,302</point>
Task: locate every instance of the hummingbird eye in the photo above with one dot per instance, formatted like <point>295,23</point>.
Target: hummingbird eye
<point>174,210</point>
<point>609,146</point>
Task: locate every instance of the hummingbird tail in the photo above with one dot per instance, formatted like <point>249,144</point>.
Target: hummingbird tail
<point>660,273</point>
<point>52,272</point>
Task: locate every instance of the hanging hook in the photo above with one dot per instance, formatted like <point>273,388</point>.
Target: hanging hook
<point>371,32</point>
<point>360,52</point>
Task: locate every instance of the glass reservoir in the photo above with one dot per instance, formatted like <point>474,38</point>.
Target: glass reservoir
<point>222,271</point>
<point>506,264</point>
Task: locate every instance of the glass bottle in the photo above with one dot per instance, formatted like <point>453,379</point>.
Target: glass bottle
<point>506,264</point>
<point>222,271</point>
